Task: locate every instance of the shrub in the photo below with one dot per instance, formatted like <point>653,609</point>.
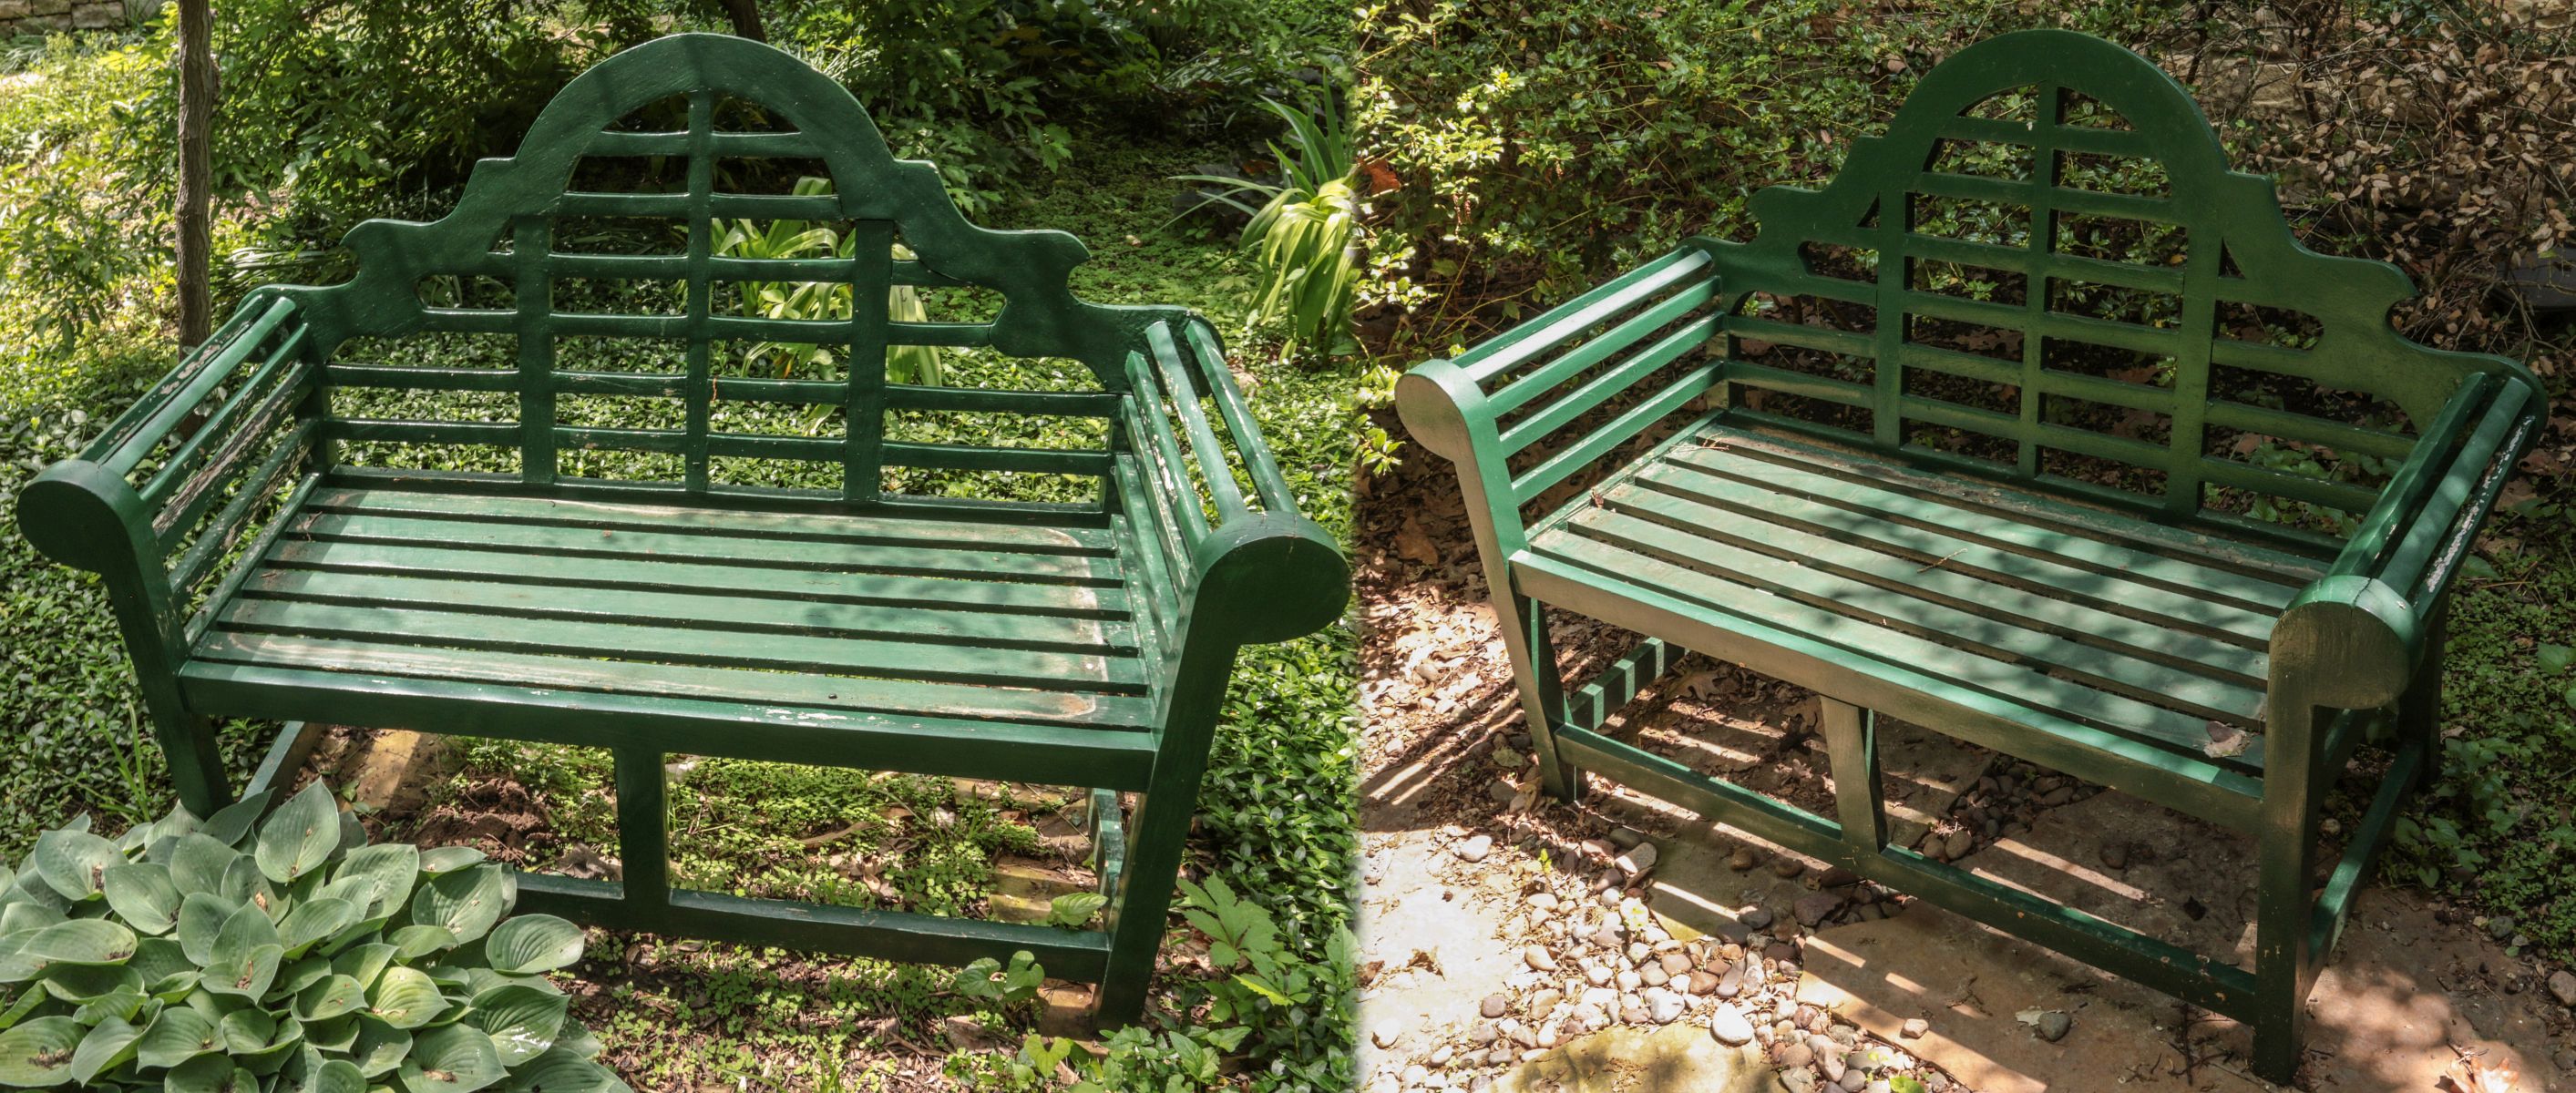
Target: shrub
<point>204,955</point>
<point>1305,229</point>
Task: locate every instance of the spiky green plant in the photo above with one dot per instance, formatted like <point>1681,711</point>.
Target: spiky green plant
<point>201,956</point>
<point>786,239</point>
<point>1306,229</point>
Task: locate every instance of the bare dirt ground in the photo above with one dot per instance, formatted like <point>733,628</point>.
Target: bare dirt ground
<point>1512,942</point>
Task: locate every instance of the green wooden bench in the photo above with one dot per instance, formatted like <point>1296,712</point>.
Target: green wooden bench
<point>259,570</point>
<point>2035,427</point>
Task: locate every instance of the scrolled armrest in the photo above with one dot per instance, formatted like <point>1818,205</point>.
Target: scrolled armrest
<point>1257,569</point>
<point>2416,536</point>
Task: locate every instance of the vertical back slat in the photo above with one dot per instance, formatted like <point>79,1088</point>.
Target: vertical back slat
<point>702,185</point>
<point>532,244</point>
<point>2050,110</point>
<point>871,278</point>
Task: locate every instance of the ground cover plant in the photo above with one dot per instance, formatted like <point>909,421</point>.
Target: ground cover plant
<point>235,952</point>
<point>1272,1014</point>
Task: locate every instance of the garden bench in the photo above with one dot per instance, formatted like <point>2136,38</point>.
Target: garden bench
<point>2037,428</point>
<point>258,570</point>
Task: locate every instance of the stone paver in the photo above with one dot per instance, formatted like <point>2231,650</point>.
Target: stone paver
<point>1680,1058</point>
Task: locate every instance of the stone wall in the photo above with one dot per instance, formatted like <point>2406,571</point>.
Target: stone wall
<point>48,16</point>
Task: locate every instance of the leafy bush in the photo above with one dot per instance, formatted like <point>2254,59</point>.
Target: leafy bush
<point>811,300</point>
<point>199,955</point>
<point>1305,229</point>
<point>1538,147</point>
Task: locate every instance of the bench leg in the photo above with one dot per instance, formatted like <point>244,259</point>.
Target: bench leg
<point>1524,624</point>
<point>2419,713</point>
<point>1143,905</point>
<point>1851,737</point>
<point>643,830</point>
<point>2286,899</point>
<point>196,766</point>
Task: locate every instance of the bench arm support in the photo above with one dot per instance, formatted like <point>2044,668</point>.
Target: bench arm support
<point>2352,639</point>
<point>1245,561</point>
<point>138,493</point>
<point>1547,373</point>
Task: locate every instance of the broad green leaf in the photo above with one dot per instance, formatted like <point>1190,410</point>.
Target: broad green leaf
<point>158,958</point>
<point>300,836</point>
<point>198,862</point>
<point>389,870</point>
<point>209,1074</point>
<point>75,863</point>
<point>530,944</point>
<point>247,973</point>
<point>335,1076</point>
<point>142,895</point>
<point>28,999</point>
<point>299,974</point>
<point>246,955</point>
<point>257,1041</point>
<point>330,998</point>
<point>108,1046</point>
<point>380,1047</point>
<point>561,1071</point>
<point>38,1054</point>
<point>202,916</point>
<point>364,963</point>
<point>82,941</point>
<point>453,1059</point>
<point>27,917</point>
<point>449,859</point>
<point>246,1030</point>
<point>405,998</point>
<point>244,882</point>
<point>468,902</point>
<point>334,1034</point>
<point>80,983</point>
<point>233,821</point>
<point>178,1035</point>
<point>578,1039</point>
<point>314,921</point>
<point>522,1021</point>
<point>122,1002</point>
<point>419,940</point>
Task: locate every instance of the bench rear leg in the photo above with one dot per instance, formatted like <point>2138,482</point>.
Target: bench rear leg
<point>1542,688</point>
<point>2419,713</point>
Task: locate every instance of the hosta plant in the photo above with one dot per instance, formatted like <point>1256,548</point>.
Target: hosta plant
<point>229,955</point>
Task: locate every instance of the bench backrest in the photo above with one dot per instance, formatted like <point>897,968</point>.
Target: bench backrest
<point>2046,271</point>
<point>528,290</point>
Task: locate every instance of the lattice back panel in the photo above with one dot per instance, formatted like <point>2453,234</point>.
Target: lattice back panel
<point>637,249</point>
<point>2045,271</point>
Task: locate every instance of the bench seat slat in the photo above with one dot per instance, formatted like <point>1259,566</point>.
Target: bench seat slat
<point>913,558</point>
<point>1726,513</point>
<point>1611,567</point>
<point>764,715</point>
<point>655,574</point>
<point>1618,524</point>
<point>1969,546</point>
<point>644,646</point>
<point>717,614</point>
<point>1874,489</point>
<point>765,525</point>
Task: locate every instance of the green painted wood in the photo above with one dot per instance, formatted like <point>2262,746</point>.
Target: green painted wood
<point>2090,626</point>
<point>1085,644</point>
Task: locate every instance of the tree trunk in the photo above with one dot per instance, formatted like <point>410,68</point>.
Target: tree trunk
<point>746,19</point>
<point>196,167</point>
